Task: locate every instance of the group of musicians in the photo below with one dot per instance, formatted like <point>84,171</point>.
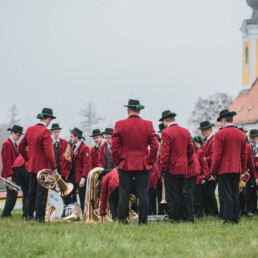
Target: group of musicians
<point>137,160</point>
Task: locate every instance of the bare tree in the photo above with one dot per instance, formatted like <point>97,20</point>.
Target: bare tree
<point>13,114</point>
<point>208,109</point>
<point>90,119</point>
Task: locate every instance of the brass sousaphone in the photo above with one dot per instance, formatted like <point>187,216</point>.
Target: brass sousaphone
<point>48,180</point>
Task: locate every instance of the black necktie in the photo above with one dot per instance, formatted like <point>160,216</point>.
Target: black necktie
<point>56,145</point>
<point>16,145</point>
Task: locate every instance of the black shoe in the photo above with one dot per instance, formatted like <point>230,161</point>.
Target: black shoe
<point>6,215</point>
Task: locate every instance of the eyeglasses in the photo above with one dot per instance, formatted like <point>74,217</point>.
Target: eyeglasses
<point>18,134</point>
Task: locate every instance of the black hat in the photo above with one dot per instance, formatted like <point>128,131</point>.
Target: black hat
<point>55,127</point>
<point>167,114</point>
<point>205,125</point>
<point>77,132</point>
<point>158,138</point>
<point>135,104</point>
<point>161,127</point>
<point>108,131</point>
<point>46,112</point>
<point>225,113</point>
<point>16,128</point>
<point>197,139</point>
<point>253,133</point>
<point>96,132</point>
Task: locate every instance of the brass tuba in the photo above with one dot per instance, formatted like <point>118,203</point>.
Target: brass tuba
<point>91,196</point>
<point>47,180</point>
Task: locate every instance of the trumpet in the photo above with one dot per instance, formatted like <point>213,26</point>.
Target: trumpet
<point>243,180</point>
<point>10,185</point>
<point>48,180</point>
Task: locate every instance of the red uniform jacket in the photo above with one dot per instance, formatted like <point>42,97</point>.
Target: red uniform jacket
<point>62,147</point>
<point>130,142</point>
<point>176,147</point>
<point>250,161</point>
<point>102,155</point>
<point>19,162</point>
<point>154,176</point>
<point>40,154</point>
<point>9,153</point>
<point>94,154</point>
<point>109,183</point>
<point>193,166</point>
<point>208,150</point>
<point>229,151</point>
<point>204,167</point>
<point>82,163</point>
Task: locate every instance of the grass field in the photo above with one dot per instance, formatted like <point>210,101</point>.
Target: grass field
<point>207,237</point>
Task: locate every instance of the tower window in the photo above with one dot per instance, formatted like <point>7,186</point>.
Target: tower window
<point>246,55</point>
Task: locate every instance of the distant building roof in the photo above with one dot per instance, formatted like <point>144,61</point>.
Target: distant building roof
<point>246,106</point>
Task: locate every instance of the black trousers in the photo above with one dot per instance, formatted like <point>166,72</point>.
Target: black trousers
<point>251,196</point>
<point>210,204</point>
<point>23,179</point>
<point>113,201</point>
<point>188,193</point>
<point>177,203</point>
<point>36,199</point>
<point>11,198</point>
<point>142,190</point>
<point>229,189</point>
<point>199,200</point>
<point>152,201</point>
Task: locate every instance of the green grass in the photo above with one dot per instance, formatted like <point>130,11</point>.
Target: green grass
<point>207,237</point>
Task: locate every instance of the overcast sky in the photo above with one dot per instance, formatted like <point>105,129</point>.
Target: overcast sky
<point>167,53</point>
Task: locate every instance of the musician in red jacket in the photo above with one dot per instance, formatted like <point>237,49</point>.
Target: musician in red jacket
<point>110,192</point>
<point>210,201</point>
<point>39,156</point>
<point>105,159</point>
<point>94,152</point>
<point>9,153</point>
<point>77,171</point>
<point>176,148</point>
<point>22,179</point>
<point>59,146</point>
<point>199,193</point>
<point>129,150</point>
<point>228,161</point>
<point>251,185</point>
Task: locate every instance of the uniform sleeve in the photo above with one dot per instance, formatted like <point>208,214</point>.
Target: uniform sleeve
<point>22,147</point>
<point>116,145</point>
<point>154,145</point>
<point>92,154</point>
<point>243,154</point>
<point>104,194</point>
<point>210,153</point>
<point>204,165</point>
<point>190,147</point>
<point>217,153</point>
<point>101,158</point>
<point>250,163</point>
<point>48,149</point>
<point>6,154</point>
<point>164,149</point>
<point>86,162</point>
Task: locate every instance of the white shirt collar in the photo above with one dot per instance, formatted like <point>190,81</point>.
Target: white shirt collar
<point>54,141</point>
<point>13,141</point>
<point>229,125</point>
<point>42,123</point>
<point>173,123</point>
<point>77,145</point>
<point>209,137</point>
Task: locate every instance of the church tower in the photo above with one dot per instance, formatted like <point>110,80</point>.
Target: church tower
<point>250,47</point>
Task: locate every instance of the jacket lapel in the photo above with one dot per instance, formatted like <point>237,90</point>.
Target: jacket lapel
<point>14,147</point>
